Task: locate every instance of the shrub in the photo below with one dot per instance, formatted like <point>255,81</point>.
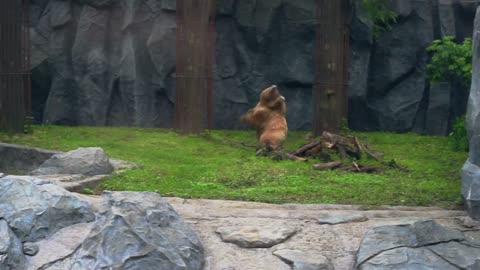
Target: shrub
<point>450,61</point>
<point>458,136</point>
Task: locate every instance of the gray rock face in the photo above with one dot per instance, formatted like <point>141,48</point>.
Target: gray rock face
<point>397,80</point>
<point>34,211</point>
<point>471,169</point>
<point>86,161</point>
<point>332,219</point>
<point>104,62</point>
<point>254,237</point>
<point>471,189</point>
<point>301,260</point>
<point>139,231</point>
<point>16,159</point>
<point>11,255</point>
<point>438,109</point>
<point>421,245</point>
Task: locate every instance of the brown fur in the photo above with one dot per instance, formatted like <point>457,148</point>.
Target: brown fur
<point>268,117</point>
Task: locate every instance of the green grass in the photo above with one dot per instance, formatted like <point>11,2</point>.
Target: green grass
<point>214,165</point>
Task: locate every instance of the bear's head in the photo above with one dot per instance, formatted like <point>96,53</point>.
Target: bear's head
<point>271,98</point>
<point>271,104</point>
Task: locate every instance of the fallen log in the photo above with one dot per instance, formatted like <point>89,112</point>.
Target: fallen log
<point>326,166</point>
<point>314,151</point>
<point>347,143</point>
<point>294,158</point>
<point>305,148</point>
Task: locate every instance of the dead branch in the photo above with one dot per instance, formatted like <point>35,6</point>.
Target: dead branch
<point>326,166</point>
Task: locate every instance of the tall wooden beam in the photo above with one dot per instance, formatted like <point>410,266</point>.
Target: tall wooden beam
<point>194,71</point>
<point>14,65</point>
<point>331,66</point>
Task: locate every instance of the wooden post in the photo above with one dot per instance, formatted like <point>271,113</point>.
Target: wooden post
<point>331,66</point>
<point>14,65</point>
<point>194,66</point>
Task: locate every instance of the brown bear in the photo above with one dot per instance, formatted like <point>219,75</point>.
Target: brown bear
<point>268,117</point>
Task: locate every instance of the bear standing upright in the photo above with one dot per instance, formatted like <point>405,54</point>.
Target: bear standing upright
<point>268,117</point>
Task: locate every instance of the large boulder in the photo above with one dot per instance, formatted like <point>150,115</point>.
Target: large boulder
<point>17,159</point>
<point>139,231</point>
<point>421,245</point>
<point>471,169</point>
<point>54,228</point>
<point>34,209</point>
<point>11,253</point>
<point>86,161</point>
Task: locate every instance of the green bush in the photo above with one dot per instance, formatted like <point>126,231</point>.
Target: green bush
<point>458,136</point>
<point>450,61</point>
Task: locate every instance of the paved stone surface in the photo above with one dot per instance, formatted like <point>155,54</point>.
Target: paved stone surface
<point>56,250</point>
<point>341,218</point>
<point>255,237</point>
<point>304,260</point>
<point>338,243</point>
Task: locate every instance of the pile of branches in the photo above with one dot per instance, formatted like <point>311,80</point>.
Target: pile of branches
<point>348,149</point>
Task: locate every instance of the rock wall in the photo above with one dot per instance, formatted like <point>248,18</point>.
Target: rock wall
<point>102,62</point>
<point>471,169</point>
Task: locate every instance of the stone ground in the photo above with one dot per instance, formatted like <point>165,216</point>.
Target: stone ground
<point>338,243</point>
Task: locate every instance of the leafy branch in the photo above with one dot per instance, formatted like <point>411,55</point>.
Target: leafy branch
<point>381,15</point>
<point>450,60</point>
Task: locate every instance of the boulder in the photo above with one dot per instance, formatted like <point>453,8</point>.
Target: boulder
<point>254,237</point>
<point>34,209</point>
<point>471,189</point>
<point>17,159</point>
<point>11,254</point>
<point>139,231</point>
<point>471,169</point>
<point>86,161</point>
<point>421,245</point>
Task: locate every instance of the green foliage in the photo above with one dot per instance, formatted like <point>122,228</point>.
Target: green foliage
<point>381,15</point>
<point>450,61</point>
<point>88,191</point>
<point>458,136</point>
<point>216,165</point>
<point>344,129</point>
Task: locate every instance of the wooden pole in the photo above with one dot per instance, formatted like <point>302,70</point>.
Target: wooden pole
<point>194,66</point>
<point>330,91</point>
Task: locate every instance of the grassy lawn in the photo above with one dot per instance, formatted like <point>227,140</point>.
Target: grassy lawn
<point>214,165</point>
